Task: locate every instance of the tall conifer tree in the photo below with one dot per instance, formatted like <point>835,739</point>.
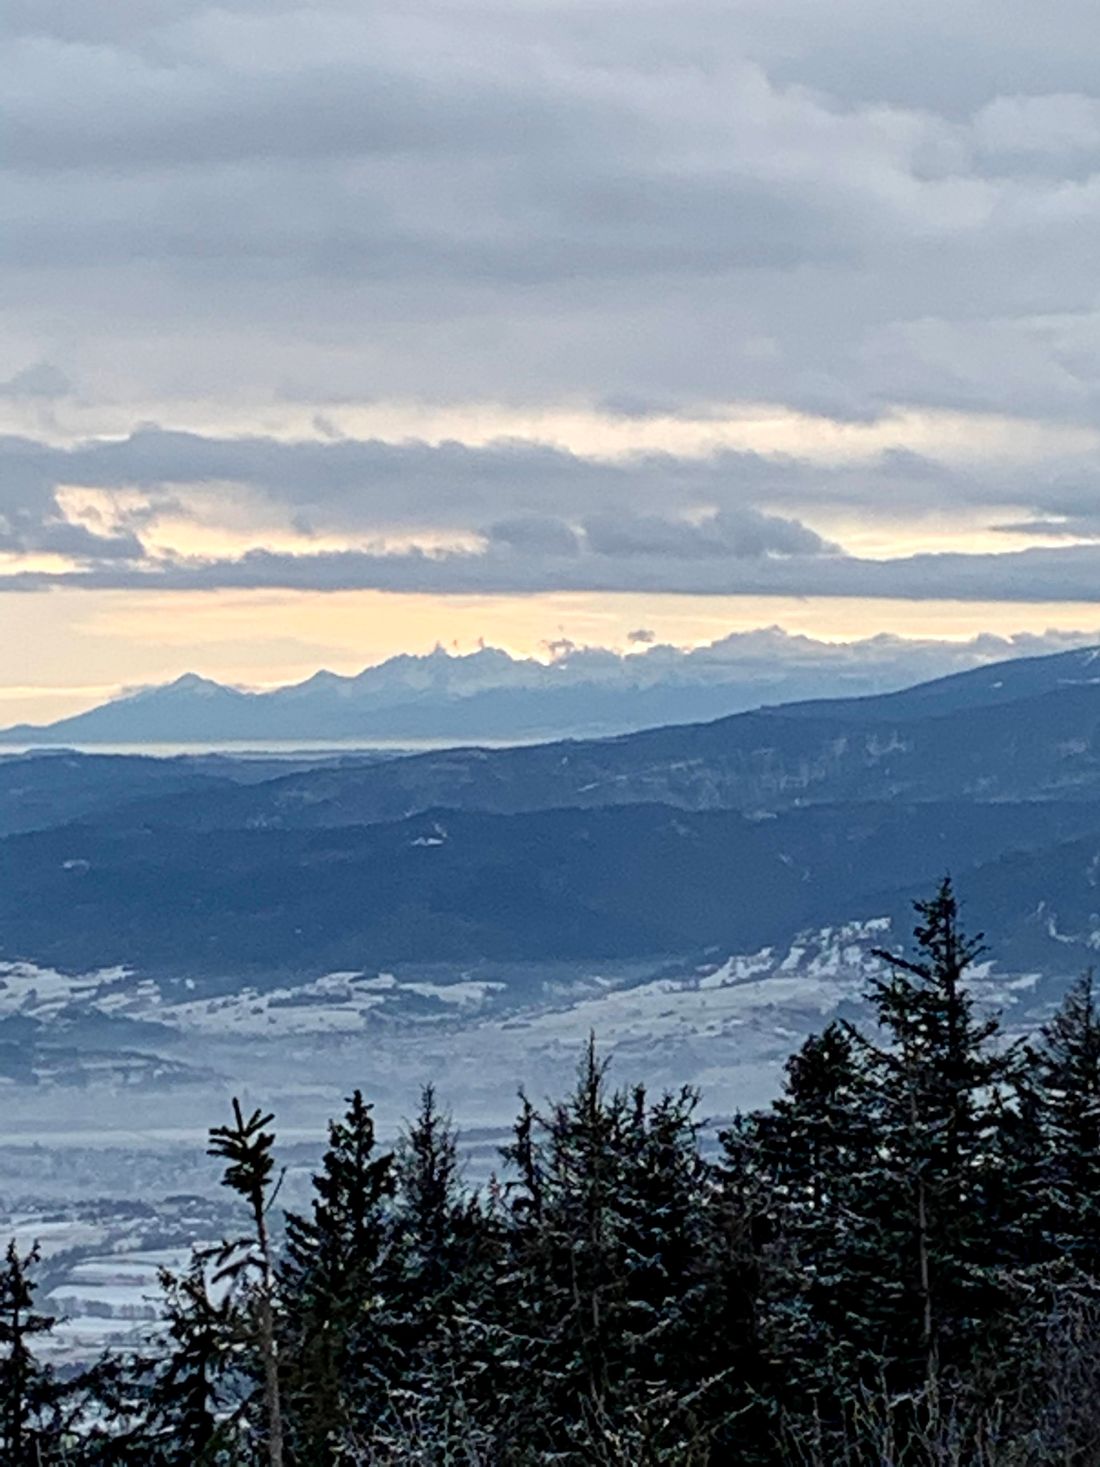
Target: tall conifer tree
<point>193,1400</point>
<point>246,1148</point>
<point>935,1080</point>
<point>1067,1082</point>
<point>334,1363</point>
<point>435,1276</point>
<point>27,1389</point>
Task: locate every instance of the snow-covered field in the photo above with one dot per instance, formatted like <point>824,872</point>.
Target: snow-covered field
<point>725,1025</point>
<point>102,1157</point>
<point>98,1275</point>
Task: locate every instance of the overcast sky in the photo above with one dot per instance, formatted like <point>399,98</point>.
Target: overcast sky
<point>333,329</point>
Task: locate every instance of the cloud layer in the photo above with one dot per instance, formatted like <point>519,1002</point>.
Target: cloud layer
<point>520,517</point>
<point>840,207</point>
<point>622,207</point>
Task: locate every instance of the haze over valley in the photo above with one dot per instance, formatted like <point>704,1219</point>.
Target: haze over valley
<point>699,896</point>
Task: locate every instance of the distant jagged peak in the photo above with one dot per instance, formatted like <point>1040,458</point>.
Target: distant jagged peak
<point>194,682</point>
<point>442,669</point>
<point>573,689</point>
<point>450,669</point>
<point>323,677</point>
<point>188,684</point>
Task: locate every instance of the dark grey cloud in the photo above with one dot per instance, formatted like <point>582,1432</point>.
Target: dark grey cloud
<point>1033,575</point>
<point>533,518</point>
<point>1072,574</point>
<point>32,519</point>
<point>737,535</point>
<point>537,534</point>
<point>525,493</point>
<point>1065,527</point>
<point>56,536</point>
<point>361,486</point>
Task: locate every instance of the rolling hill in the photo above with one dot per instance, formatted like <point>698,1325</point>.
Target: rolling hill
<point>727,836</point>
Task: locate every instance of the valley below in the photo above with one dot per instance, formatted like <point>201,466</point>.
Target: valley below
<point>178,931</point>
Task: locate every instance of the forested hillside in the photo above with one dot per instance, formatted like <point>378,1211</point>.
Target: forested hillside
<point>461,886</point>
<point>895,1263</point>
<point>734,835</point>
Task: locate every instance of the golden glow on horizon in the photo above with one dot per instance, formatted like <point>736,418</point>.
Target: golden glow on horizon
<point>263,638</point>
<point>229,520</point>
<point>967,530</point>
<point>67,649</point>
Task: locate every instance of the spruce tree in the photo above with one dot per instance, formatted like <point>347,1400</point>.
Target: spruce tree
<point>28,1391</point>
<point>935,1082</point>
<point>565,1251</point>
<point>435,1273</point>
<point>335,1361</point>
<point>1019,1199</point>
<point>1066,1076</point>
<point>105,1417</point>
<point>613,1305</point>
<point>246,1146</point>
<point>814,1140</point>
<point>813,1155</point>
<point>197,1390</point>
<point>429,1229</point>
<point>685,1345</point>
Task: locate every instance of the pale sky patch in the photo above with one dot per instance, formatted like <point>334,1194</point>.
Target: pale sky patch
<point>267,639</point>
<point>765,428</point>
<point>360,328</point>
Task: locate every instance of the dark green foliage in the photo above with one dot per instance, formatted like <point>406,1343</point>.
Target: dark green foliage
<point>434,1222</point>
<point>934,1086</point>
<point>27,1390</point>
<point>333,1358</point>
<point>1066,1079</point>
<point>192,1401</point>
<point>245,1147</point>
<point>613,1295</point>
<point>248,1264</point>
<point>894,1265</point>
<point>436,1281</point>
<point>804,1175</point>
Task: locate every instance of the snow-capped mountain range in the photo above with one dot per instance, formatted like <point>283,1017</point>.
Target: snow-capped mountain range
<point>487,694</point>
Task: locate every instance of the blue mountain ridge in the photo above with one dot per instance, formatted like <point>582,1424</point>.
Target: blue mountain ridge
<point>722,836</point>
